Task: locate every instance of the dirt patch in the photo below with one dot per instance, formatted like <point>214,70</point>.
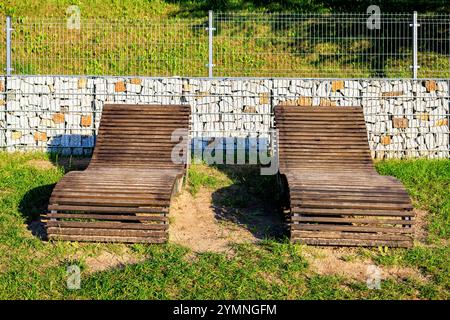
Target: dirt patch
<point>193,224</point>
<point>66,162</point>
<point>421,225</point>
<point>41,164</point>
<point>107,260</point>
<point>202,225</point>
<point>335,261</point>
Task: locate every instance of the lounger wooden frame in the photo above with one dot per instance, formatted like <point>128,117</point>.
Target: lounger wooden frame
<point>124,194</point>
<point>335,196</point>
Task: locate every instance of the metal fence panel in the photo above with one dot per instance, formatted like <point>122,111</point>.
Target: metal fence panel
<point>240,44</point>
<point>312,45</point>
<point>110,47</point>
<point>434,46</point>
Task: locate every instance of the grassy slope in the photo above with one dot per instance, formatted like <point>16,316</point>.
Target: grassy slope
<point>138,48</point>
<point>90,8</point>
<point>428,183</point>
<point>32,269</point>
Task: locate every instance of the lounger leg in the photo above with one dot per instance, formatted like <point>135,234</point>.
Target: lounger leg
<point>178,186</point>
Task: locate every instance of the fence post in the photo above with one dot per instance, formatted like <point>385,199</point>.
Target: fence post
<point>8,45</point>
<point>415,25</point>
<point>210,29</point>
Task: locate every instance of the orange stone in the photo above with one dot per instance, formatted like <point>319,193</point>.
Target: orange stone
<point>304,102</point>
<point>2,86</point>
<point>263,98</point>
<point>441,122</point>
<point>119,86</point>
<point>327,103</point>
<point>337,85</point>
<point>288,103</point>
<point>424,116</point>
<point>82,83</point>
<point>40,136</point>
<point>250,109</point>
<point>431,85</point>
<point>86,121</point>
<point>135,81</point>
<point>187,87</point>
<point>201,94</point>
<point>16,135</point>
<point>400,122</point>
<point>392,93</point>
<point>385,140</point>
<point>58,118</point>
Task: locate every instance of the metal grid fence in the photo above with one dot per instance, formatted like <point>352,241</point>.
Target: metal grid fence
<point>113,47</point>
<point>234,44</point>
<point>313,45</point>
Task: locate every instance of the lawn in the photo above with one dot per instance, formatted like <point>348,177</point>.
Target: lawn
<point>270,269</point>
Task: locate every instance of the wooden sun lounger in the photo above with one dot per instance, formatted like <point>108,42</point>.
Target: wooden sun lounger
<point>124,194</point>
<point>336,196</point>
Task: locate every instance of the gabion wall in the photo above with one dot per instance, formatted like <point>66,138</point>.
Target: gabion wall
<point>404,118</point>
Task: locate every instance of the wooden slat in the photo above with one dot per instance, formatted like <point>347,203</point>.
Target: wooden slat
<point>349,235</point>
<point>91,238</point>
<point>105,217</point>
<point>106,232</point>
<point>350,212</point>
<point>107,225</point>
<point>81,207</point>
<point>351,220</point>
<point>353,242</point>
<point>336,227</point>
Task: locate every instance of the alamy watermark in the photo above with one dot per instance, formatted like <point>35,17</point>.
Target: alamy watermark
<point>226,150</point>
<point>373,274</point>
<point>73,281</point>
<point>73,20</point>
<point>374,20</point>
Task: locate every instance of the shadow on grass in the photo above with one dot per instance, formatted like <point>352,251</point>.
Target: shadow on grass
<point>32,205</point>
<point>70,163</point>
<point>252,201</point>
<point>35,201</point>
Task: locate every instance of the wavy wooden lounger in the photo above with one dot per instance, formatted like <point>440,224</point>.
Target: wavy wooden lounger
<point>336,196</point>
<point>124,194</point>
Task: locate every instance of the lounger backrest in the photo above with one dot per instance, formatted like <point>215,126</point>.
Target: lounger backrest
<point>140,135</point>
<point>321,136</point>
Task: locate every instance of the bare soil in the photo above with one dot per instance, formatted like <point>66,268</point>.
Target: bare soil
<point>420,227</point>
<point>41,164</point>
<point>66,162</point>
<point>108,260</point>
<point>197,223</point>
<point>339,261</point>
<point>200,224</point>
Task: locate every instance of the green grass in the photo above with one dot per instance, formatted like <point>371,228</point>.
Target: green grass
<point>202,176</point>
<point>428,184</point>
<point>140,45</point>
<point>34,269</point>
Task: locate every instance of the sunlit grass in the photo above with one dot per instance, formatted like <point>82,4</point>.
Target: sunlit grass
<point>34,269</point>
